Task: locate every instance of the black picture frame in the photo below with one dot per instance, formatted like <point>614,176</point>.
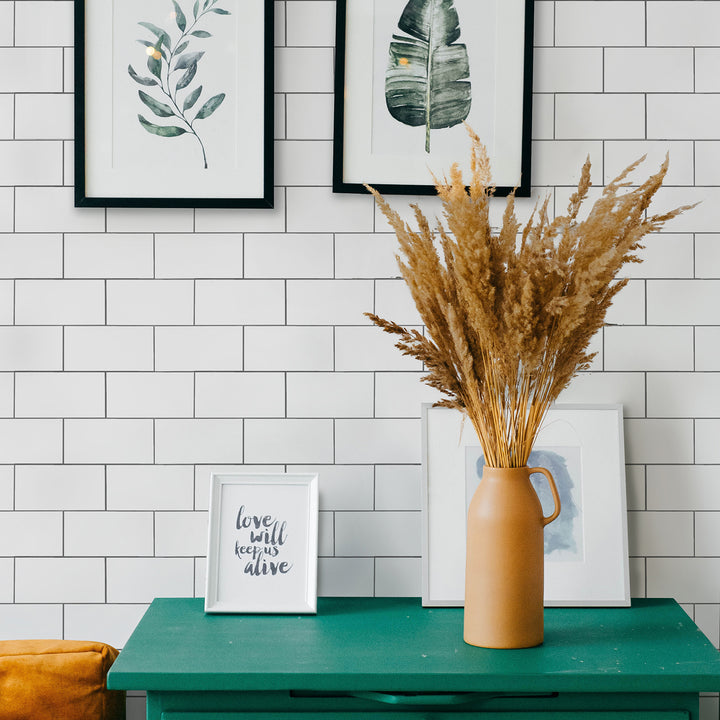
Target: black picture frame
<point>352,159</point>
<point>102,181</point>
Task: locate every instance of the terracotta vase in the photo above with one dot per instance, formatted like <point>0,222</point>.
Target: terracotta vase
<point>505,560</point>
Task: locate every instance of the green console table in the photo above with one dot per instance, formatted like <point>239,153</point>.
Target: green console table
<point>391,659</point>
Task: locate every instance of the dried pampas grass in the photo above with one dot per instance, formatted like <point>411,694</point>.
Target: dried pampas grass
<point>509,314</point>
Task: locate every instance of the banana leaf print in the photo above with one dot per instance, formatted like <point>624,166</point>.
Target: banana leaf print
<point>173,67</point>
<point>426,82</point>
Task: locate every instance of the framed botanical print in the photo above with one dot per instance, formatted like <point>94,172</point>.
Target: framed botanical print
<point>174,103</point>
<point>411,73</point>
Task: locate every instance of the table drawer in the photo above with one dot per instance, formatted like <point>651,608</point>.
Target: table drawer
<point>402,714</point>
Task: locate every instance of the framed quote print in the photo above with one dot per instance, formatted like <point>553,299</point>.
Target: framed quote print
<point>411,74</point>
<point>174,103</point>
<point>262,543</point>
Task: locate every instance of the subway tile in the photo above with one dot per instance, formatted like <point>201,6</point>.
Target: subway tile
<point>682,22</point>
<point>707,161</point>
<point>377,441</point>
<point>252,394</point>
<point>31,622</point>
<point>342,487</point>
<point>398,577</point>
<point>31,441</point>
<point>288,348</point>
<point>707,534</point>
<point>658,441</point>
<point>329,302</point>
<point>108,441</point>
<point>309,116</point>
<point>368,534</point>
<point>544,23</point>
<point>289,441</point>
<point>400,394</point>
<point>7,489</point>
<point>304,70</point>
<point>660,534</point>
<point>7,589</point>
<point>240,302</point>
<point>7,209</point>
<point>635,486</point>
<point>44,23</point>
<point>666,255</point>
<point>7,395</point>
<point>280,114</point>
<point>398,487</point>
<point>110,623</point>
<point>59,487</point>
<point>31,162</point>
<point>319,210</point>
<point>620,153</point>
<point>108,533</point>
<point>345,577</point>
<point>34,70</point>
<point>31,256</point>
<point>7,106</point>
<point>139,394</point>
<point>559,162</point>
<point>638,577</point>
<point>690,487</point>
<point>181,534</point>
<point>624,388</point>
<point>329,395</point>
<point>7,301</point>
<point>304,162</point>
<point>108,255</point>
<point>567,70</point>
<point>198,255</point>
<point>628,306</point>
<point>707,69</point>
<point>707,450</point>
<point>141,580</point>
<point>108,348</point>
<point>58,213</point>
<point>648,70</point>
<point>685,579</point>
<point>231,220</point>
<point>199,441</point>
<point>683,395</point>
<point>369,348</point>
<point>150,302</point>
<point>150,487</point>
<point>288,256</point>
<point>7,31</point>
<point>609,23</point>
<point>44,116</point>
<point>683,302</point>
<point>326,534</point>
<point>362,255</point>
<point>199,348</point>
<point>614,116</point>
<point>707,348</point>
<point>702,218</point>
<point>543,118</point>
<point>142,220</point>
<point>393,300</point>
<point>59,580</point>
<point>682,116</point>
<point>24,534</point>
<point>707,618</point>
<point>59,394</point>
<point>648,348</point>
<point>280,22</point>
<point>311,23</point>
<point>59,302</point>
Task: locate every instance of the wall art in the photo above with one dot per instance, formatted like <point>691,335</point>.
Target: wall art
<point>262,543</point>
<point>410,73</point>
<point>174,103</point>
<point>586,548</point>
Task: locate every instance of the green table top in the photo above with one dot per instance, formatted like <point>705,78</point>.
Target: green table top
<point>394,644</point>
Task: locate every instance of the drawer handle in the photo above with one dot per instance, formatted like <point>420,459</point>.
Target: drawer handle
<point>412,699</point>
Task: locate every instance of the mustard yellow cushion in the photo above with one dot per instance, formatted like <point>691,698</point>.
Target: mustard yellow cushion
<point>57,680</point>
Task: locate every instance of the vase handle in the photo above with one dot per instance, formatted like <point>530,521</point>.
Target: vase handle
<point>555,494</point>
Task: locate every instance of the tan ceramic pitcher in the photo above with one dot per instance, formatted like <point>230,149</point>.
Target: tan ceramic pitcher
<point>504,573</point>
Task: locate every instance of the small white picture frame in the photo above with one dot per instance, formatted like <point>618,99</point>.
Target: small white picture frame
<point>262,543</point>
<point>588,565</point>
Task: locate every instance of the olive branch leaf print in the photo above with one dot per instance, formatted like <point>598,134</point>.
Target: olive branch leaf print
<point>426,82</point>
<point>172,70</point>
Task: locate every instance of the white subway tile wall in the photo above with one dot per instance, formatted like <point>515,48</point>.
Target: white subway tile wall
<point>141,349</point>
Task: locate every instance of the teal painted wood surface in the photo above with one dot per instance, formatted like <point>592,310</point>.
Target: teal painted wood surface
<point>386,645</point>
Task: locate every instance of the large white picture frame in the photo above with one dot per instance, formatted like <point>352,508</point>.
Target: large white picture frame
<point>262,543</point>
<point>586,549</point>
